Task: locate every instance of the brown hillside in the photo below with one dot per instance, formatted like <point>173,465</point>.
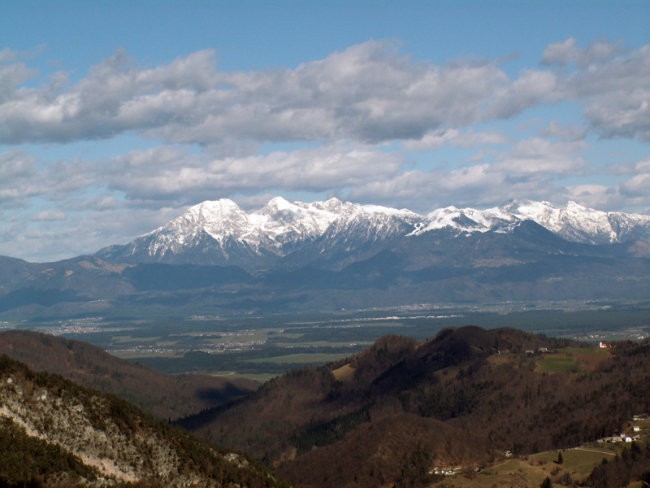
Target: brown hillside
<point>163,395</point>
<point>462,398</point>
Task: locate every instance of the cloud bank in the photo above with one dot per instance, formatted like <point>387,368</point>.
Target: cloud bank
<point>368,123</point>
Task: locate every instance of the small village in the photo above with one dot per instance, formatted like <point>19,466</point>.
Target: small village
<point>635,430</point>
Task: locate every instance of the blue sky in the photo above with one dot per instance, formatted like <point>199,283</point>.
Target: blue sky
<point>115,116</point>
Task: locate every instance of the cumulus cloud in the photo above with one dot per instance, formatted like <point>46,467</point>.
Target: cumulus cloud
<point>342,125</point>
<point>531,168</point>
<point>475,185</point>
<point>49,215</point>
<point>170,174</point>
<point>568,52</point>
<point>531,88</point>
<point>113,98</point>
<point>564,132</point>
<point>437,139</point>
<point>637,183</point>
<point>538,156</point>
<point>616,94</point>
<point>628,188</point>
<point>368,92</point>
<point>17,169</point>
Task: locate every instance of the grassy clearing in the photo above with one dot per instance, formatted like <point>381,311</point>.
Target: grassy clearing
<point>301,358</point>
<point>582,460</point>
<point>289,345</point>
<point>135,355</point>
<point>129,339</point>
<point>532,470</point>
<point>572,359</point>
<point>257,377</point>
<point>557,364</point>
<point>344,373</point>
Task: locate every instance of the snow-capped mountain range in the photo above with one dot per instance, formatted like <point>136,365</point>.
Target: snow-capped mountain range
<point>333,255</point>
<point>220,232</point>
<point>572,221</point>
<point>280,224</point>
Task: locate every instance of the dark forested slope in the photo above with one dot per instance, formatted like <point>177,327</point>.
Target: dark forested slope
<point>462,398</point>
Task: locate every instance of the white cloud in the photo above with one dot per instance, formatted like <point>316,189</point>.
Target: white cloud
<point>168,174</point>
<point>532,168</point>
<point>530,89</point>
<point>49,215</point>
<point>538,156</point>
<point>568,52</point>
<point>617,95</point>
<point>368,92</point>
<point>436,139</point>
<point>208,131</point>
<point>637,184</point>
<point>17,170</point>
<point>561,52</point>
<point>564,132</point>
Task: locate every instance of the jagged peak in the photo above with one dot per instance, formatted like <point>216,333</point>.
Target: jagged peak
<point>211,208</point>
<point>282,226</point>
<point>280,203</point>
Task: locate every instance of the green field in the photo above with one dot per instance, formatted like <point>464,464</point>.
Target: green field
<point>572,359</point>
<point>530,471</point>
<point>303,358</point>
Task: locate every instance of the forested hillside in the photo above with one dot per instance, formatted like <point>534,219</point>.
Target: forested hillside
<point>463,398</point>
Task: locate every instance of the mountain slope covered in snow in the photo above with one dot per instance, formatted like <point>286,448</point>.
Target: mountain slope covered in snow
<point>221,233</point>
<point>294,256</point>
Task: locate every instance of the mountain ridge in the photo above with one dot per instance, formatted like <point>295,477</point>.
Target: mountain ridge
<point>219,232</point>
<point>333,255</point>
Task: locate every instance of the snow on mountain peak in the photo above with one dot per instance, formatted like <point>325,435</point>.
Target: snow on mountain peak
<point>282,225</point>
<point>280,203</point>
<point>466,220</point>
<point>210,211</point>
<point>572,221</point>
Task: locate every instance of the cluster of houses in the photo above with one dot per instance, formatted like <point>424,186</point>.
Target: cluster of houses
<point>540,350</point>
<point>620,438</point>
<point>639,426</point>
<point>446,470</point>
<point>632,434</point>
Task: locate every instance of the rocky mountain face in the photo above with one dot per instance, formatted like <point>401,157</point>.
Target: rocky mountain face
<point>219,232</point>
<point>66,435</point>
<point>572,222</point>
